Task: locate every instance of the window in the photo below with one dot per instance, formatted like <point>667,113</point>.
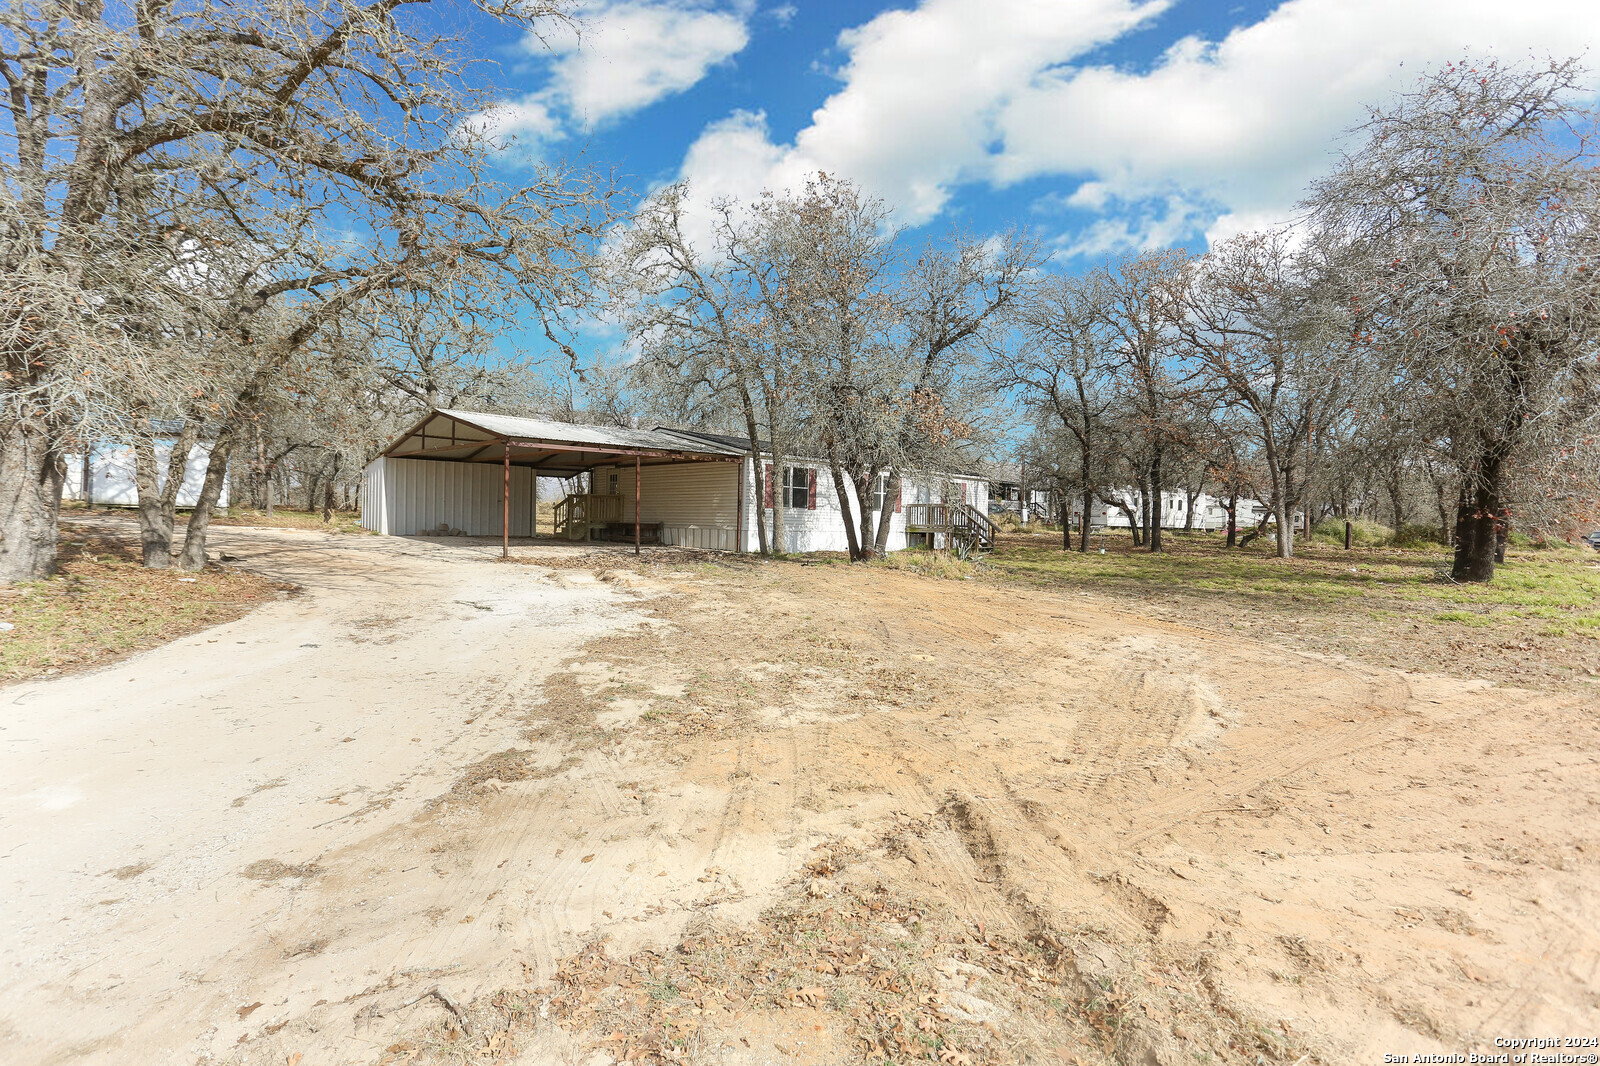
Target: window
<point>796,486</point>
<point>611,485</point>
<point>880,491</point>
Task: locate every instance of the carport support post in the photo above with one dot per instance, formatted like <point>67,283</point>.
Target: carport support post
<point>505,507</point>
<point>636,480</point>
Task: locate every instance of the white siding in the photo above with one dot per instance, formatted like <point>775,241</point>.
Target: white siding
<point>1209,514</point>
<point>404,497</point>
<point>694,502</point>
<point>821,529</point>
<point>111,475</point>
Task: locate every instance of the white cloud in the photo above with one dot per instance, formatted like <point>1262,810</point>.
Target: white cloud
<point>921,93</point>
<point>628,54</point>
<point>527,120</point>
<point>1250,119</point>
<point>1141,226</point>
<point>982,91</point>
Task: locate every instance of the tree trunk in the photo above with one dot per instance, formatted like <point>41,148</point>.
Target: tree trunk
<point>194,541</point>
<point>328,490</point>
<point>1440,497</point>
<point>1133,520</point>
<point>891,494</point>
<point>1083,526</point>
<point>177,468</point>
<point>1159,499</point>
<point>31,476</point>
<point>1233,520</point>
<point>1261,527</point>
<point>1144,514</point>
<point>1480,517</point>
<point>780,532</point>
<point>851,539</point>
<point>1285,519</point>
<point>862,481</point>
<point>155,539</point>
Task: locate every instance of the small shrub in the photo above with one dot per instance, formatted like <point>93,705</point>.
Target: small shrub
<point>1416,536</point>
<point>928,563</point>
<point>1364,532</point>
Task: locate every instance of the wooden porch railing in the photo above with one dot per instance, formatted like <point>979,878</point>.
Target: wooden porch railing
<point>957,521</point>
<point>581,512</point>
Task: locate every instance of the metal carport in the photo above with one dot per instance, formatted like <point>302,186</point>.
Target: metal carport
<point>551,449</point>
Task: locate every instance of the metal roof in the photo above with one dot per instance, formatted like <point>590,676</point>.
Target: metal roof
<point>723,440</point>
<point>540,429</point>
<point>552,448</point>
<point>566,448</point>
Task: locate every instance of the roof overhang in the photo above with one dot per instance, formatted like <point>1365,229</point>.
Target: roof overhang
<point>554,449</point>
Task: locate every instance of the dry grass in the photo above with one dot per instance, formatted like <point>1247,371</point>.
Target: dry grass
<point>847,969</point>
<point>930,564</point>
<point>1537,623</point>
<point>101,605</point>
<point>288,518</point>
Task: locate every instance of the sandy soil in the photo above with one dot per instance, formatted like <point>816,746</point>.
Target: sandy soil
<point>681,812</point>
<point>165,823</point>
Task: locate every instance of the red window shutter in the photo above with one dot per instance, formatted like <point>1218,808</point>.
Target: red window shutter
<point>897,498</point>
<point>811,488</point>
<point>768,468</point>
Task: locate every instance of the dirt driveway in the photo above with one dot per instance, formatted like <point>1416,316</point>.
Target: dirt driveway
<point>160,819</point>
<point>721,812</point>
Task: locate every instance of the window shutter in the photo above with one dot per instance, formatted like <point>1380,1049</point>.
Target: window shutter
<point>811,488</point>
<point>897,487</point>
<point>768,468</point>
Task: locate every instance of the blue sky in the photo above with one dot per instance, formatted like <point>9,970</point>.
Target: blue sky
<point>1104,126</point>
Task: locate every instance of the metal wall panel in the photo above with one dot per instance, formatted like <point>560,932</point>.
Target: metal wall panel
<point>694,502</point>
<point>404,497</point>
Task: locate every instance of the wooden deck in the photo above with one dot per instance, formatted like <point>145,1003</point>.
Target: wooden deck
<point>955,522</point>
<point>583,513</point>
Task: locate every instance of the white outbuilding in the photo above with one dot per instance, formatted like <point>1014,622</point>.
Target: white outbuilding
<point>477,473</point>
<point>112,482</point>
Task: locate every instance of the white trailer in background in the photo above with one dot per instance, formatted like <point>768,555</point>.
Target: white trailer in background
<point>112,482</point>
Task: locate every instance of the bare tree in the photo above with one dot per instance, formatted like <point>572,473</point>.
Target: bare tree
<point>1472,214</point>
<point>1064,371</point>
<point>690,313</point>
<point>255,131</point>
<point>1266,338</point>
<point>1140,299</point>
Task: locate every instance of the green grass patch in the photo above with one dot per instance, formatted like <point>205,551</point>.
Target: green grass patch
<point>101,605</point>
<point>1370,582</point>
